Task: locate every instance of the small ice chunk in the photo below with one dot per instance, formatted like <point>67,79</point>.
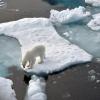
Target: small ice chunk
<point>98,81</point>
<point>66,34</point>
<point>92,77</point>
<point>91,72</point>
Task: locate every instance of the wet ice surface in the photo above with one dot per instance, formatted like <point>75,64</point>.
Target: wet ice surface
<point>81,35</point>
<point>6,88</point>
<point>10,54</point>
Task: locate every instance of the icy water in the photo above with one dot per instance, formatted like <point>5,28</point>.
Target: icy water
<point>83,36</point>
<point>17,9</point>
<point>10,53</point>
<point>81,82</point>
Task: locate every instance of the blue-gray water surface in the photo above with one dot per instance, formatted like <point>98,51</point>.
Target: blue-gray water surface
<point>10,54</point>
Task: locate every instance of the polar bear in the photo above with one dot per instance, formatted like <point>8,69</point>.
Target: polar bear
<point>30,56</point>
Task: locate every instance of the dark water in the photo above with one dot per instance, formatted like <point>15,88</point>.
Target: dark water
<point>17,9</point>
<point>76,83</point>
<point>67,3</point>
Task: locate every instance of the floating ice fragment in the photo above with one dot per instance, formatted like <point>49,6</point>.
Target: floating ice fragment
<point>60,53</point>
<point>36,89</point>
<point>91,72</point>
<point>97,81</point>
<point>68,16</point>
<point>66,34</point>
<point>92,77</point>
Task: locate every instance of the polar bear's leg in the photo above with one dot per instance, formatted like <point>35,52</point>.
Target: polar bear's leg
<point>25,59</point>
<point>24,62</point>
<point>42,56</point>
<point>31,62</point>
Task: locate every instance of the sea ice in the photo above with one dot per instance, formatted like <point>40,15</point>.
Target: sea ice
<point>60,53</point>
<point>36,89</point>
<point>93,2</point>
<point>68,15</point>
<point>6,91</point>
<point>94,23</point>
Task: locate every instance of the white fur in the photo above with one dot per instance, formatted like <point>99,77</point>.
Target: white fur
<point>30,56</point>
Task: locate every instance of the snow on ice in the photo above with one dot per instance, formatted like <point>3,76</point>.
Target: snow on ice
<point>36,89</point>
<point>60,53</point>
<point>95,3</point>
<point>68,15</point>
<point>94,23</point>
<point>6,91</point>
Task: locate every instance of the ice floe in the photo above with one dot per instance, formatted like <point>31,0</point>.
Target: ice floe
<point>6,91</point>
<point>95,3</point>
<point>60,53</point>
<point>68,15</point>
<point>94,23</point>
<point>36,89</point>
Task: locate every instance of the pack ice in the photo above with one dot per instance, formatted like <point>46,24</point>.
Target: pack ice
<point>60,53</point>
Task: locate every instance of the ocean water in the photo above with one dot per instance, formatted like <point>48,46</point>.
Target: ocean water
<point>67,3</point>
